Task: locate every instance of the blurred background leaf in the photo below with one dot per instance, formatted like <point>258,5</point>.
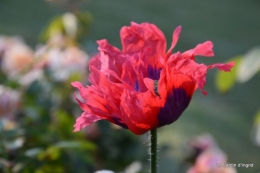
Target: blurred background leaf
<point>249,65</point>
<point>74,26</point>
<point>225,81</point>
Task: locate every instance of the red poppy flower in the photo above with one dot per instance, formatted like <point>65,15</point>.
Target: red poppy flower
<point>142,87</point>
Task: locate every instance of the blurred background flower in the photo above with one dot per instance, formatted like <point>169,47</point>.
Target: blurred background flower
<point>62,61</point>
<point>16,56</point>
<point>9,102</point>
<point>207,157</point>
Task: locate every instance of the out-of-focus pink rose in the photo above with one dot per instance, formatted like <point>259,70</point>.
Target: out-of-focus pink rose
<point>203,142</point>
<point>32,75</point>
<point>62,61</point>
<point>197,145</point>
<point>7,42</point>
<point>9,102</point>
<point>17,57</point>
<point>211,159</point>
<point>2,46</point>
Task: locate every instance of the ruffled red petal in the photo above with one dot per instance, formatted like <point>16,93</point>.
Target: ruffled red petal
<point>86,119</point>
<point>133,72</point>
<point>223,67</point>
<point>101,99</point>
<point>145,38</point>
<point>175,38</point>
<point>204,49</point>
<point>140,110</point>
<point>108,58</point>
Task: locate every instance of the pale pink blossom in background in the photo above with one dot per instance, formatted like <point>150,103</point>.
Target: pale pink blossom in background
<point>211,161</point>
<point>18,61</point>
<point>16,56</point>
<point>62,61</point>
<point>211,158</point>
<point>9,102</point>
<point>7,42</point>
<point>203,142</point>
<point>31,76</point>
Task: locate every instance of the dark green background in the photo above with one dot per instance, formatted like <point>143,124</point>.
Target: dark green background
<point>233,27</point>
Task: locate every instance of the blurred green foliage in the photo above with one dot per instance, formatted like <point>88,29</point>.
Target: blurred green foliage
<point>225,81</point>
<point>246,66</point>
<point>62,24</point>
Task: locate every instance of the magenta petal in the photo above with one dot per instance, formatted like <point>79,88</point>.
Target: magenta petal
<point>86,119</point>
<point>109,58</point>
<point>140,110</point>
<point>133,72</point>
<point>146,39</point>
<point>144,36</point>
<point>204,49</point>
<point>175,38</point>
<point>81,88</point>
<point>106,47</point>
<point>189,67</point>
<point>222,67</point>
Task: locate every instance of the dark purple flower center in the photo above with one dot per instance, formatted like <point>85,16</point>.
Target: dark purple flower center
<point>154,73</point>
<point>137,88</point>
<point>176,103</point>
